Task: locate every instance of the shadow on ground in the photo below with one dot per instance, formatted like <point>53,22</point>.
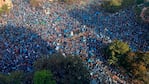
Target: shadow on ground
<point>121,26</point>
<point>20,47</point>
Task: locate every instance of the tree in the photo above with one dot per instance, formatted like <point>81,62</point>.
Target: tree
<point>15,77</point>
<point>138,70</point>
<point>113,60</point>
<point>128,3</point>
<point>113,6</point>
<point>43,77</point>
<point>116,2</point>
<point>68,69</point>
<point>4,79</point>
<point>146,59</point>
<point>116,51</point>
<point>4,9</point>
<point>139,1</point>
<point>137,64</point>
<point>36,3</point>
<point>128,60</point>
<point>143,57</point>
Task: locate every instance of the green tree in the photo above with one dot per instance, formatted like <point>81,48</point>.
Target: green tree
<point>116,51</point>
<point>139,1</point>
<point>16,77</point>
<point>115,2</point>
<point>68,69</point>
<point>4,79</point>
<point>43,77</point>
<point>113,6</point>
<point>137,10</point>
<point>128,60</point>
<point>113,60</point>
<point>128,3</point>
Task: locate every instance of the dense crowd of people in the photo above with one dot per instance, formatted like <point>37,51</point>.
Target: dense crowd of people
<point>31,32</point>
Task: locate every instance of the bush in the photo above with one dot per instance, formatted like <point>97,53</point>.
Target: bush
<point>43,77</point>
<point>65,69</point>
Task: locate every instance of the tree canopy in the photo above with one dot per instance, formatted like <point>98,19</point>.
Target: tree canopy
<point>116,50</point>
<point>68,69</point>
<point>43,77</point>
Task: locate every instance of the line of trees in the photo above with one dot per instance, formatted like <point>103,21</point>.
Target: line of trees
<point>51,69</point>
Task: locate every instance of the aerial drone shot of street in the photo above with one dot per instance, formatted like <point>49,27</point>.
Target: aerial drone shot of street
<point>74,41</point>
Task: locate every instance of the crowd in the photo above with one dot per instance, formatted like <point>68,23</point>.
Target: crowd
<point>83,34</point>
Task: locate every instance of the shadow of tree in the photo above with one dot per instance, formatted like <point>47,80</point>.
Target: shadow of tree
<point>96,48</point>
<point>121,26</point>
<point>20,47</point>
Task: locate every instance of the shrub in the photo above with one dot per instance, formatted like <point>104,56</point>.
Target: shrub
<point>43,77</point>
